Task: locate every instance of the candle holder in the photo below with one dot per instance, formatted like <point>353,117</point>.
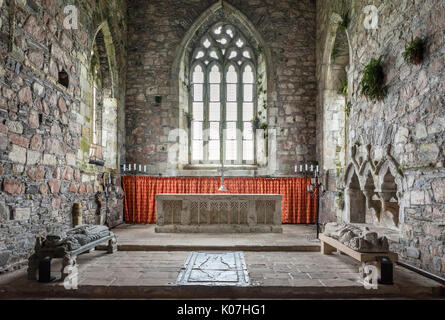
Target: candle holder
<point>312,171</point>
<point>316,190</point>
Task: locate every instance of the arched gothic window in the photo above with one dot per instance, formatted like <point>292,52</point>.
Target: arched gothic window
<point>223,68</point>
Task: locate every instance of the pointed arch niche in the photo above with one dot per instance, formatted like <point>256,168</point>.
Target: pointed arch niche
<point>336,70</point>
<point>221,72</point>
<point>99,94</point>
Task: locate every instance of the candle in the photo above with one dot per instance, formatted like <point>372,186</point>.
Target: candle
<point>125,168</point>
<point>134,166</point>
<point>296,169</point>
<point>317,168</point>
<point>140,167</point>
<point>305,167</point>
<point>301,168</point>
<point>312,168</point>
<point>145,168</point>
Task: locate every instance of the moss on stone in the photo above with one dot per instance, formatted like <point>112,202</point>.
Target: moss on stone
<point>85,145</point>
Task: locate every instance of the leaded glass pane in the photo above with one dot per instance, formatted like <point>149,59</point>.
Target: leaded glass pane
<point>214,150</point>
<point>214,111</point>
<point>214,131</point>
<point>231,130</point>
<point>198,92</point>
<point>232,76</point>
<point>198,111</point>
<point>247,111</point>
<point>197,130</point>
<point>248,151</point>
<point>248,75</point>
<point>215,75</point>
<point>231,150</point>
<point>198,75</point>
<point>231,92</point>
<point>232,111</point>
<point>214,92</point>
<point>248,92</point>
<point>248,132</point>
<point>197,150</point>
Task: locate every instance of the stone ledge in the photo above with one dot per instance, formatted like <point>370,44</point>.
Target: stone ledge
<point>219,229</point>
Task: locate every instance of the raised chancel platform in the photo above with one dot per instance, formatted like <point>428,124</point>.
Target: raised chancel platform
<point>222,213</point>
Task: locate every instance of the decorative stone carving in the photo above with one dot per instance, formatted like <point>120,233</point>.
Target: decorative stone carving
<point>67,245</point>
<point>227,213</point>
<point>360,239</point>
<point>367,180</point>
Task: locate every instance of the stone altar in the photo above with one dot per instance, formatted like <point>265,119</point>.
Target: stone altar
<point>222,213</point>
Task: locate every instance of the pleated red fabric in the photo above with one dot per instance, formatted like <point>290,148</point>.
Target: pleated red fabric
<point>298,206</point>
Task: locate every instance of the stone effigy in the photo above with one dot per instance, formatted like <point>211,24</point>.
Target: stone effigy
<point>360,239</point>
<point>68,245</point>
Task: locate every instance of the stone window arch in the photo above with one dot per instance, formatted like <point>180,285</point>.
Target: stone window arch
<point>223,97</point>
<point>222,38</point>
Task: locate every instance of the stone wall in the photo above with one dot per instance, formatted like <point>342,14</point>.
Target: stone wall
<point>44,126</point>
<point>156,29</point>
<point>410,120</point>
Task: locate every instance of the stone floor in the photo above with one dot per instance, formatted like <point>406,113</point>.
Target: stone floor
<point>274,266</point>
<point>137,274</point>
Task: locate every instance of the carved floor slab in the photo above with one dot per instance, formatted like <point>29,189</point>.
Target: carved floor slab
<point>214,269</point>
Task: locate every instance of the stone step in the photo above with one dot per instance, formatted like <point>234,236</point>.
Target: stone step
<point>251,248</point>
<point>137,291</point>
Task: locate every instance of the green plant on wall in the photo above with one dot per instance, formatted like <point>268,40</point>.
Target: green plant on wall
<point>348,108</point>
<point>345,21</point>
<point>415,51</point>
<point>372,84</point>
<point>344,92</point>
<point>343,89</point>
<point>256,123</point>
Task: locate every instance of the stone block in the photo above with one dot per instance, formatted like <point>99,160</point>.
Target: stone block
<point>15,127</point>
<point>439,190</point>
<point>13,187</point>
<point>4,212</point>
<point>36,173</point>
<point>17,154</point>
<point>33,157</point>
<point>417,197</point>
<point>4,258</point>
<point>412,253</point>
<point>49,160</point>
<point>20,214</point>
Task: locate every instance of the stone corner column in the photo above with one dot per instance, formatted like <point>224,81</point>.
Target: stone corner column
<point>278,216</point>
<point>159,212</point>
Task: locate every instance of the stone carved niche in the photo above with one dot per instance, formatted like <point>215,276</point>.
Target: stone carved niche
<point>372,189</point>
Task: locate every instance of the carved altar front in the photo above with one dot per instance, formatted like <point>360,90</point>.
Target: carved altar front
<point>221,213</point>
